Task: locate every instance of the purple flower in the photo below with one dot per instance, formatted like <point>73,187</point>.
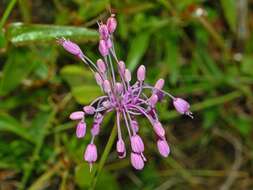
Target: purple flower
<point>128,100</point>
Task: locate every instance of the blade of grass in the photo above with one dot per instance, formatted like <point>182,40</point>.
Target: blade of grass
<point>7,12</point>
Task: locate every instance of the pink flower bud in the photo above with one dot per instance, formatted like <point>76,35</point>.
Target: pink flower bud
<point>122,67</point>
<point>111,24</point>
<point>90,154</point>
<point>89,110</point>
<point>80,129</point>
<point>95,129</point>
<point>77,115</point>
<point>101,65</point>
<point>103,31</point>
<point>153,100</point>
<point>128,75</point>
<point>137,144</point>
<point>135,125</point>
<point>109,43</point>
<point>107,86</point>
<point>99,118</point>
<point>119,88</point>
<point>163,147</point>
<point>98,78</point>
<point>182,106</point>
<point>141,72</point>
<point>71,47</point>
<point>137,161</point>
<point>103,49</point>
<point>121,149</point>
<point>159,130</point>
<point>159,84</point>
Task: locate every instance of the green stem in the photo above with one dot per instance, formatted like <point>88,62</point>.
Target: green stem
<point>105,154</point>
<point>7,12</point>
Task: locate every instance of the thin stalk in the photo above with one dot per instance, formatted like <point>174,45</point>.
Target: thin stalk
<point>7,12</point>
<point>105,154</point>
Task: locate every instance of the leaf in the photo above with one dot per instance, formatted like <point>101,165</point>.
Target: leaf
<point>85,94</point>
<point>137,49</point>
<point>16,68</point>
<point>10,124</point>
<point>229,8</point>
<point>2,40</point>
<point>19,33</point>
<point>76,75</point>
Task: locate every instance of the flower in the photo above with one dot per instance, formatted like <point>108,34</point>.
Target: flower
<point>127,99</point>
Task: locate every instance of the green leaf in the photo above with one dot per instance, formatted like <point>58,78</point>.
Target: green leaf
<point>229,8</point>
<point>85,94</point>
<point>19,33</point>
<point>137,49</point>
<point>77,75</point>
<point>17,67</point>
<point>10,124</point>
<point>2,40</point>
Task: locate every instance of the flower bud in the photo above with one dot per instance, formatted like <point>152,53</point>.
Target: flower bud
<point>89,110</point>
<point>159,130</point>
<point>163,147</point>
<point>103,31</point>
<point>80,129</point>
<point>111,24</point>
<point>119,88</point>
<point>128,75</point>
<point>153,100</point>
<point>134,125</point>
<point>103,49</point>
<point>101,65</point>
<point>77,115</point>
<point>122,67</point>
<point>90,154</point>
<point>121,149</point>
<point>98,78</point>
<point>159,84</point>
<point>107,86</point>
<point>109,43</point>
<point>182,106</point>
<point>95,129</point>
<point>137,161</point>
<point>137,144</point>
<point>71,47</point>
<point>141,72</point>
<point>99,118</point>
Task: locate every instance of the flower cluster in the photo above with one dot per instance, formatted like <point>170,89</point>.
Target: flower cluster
<point>127,99</point>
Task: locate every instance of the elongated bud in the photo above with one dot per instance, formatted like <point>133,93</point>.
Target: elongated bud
<point>80,129</point>
<point>111,24</point>
<point>98,78</point>
<point>122,67</point>
<point>128,75</point>
<point>77,115</point>
<point>163,147</point>
<point>95,129</point>
<point>90,154</point>
<point>101,65</point>
<point>107,86</point>
<point>119,88</point>
<point>103,49</point>
<point>159,84</point>
<point>137,144</point>
<point>71,47</point>
<point>137,161</point>
<point>103,31</point>
<point>141,72</point>
<point>99,118</point>
<point>89,110</point>
<point>109,43</point>
<point>159,130</point>
<point>153,100</point>
<point>182,106</point>
<point>121,149</point>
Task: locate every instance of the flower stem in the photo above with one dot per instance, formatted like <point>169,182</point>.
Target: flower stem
<point>105,154</point>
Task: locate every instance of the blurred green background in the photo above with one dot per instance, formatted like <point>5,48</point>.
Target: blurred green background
<point>203,48</point>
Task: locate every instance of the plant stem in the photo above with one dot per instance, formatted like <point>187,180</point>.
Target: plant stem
<point>7,12</point>
<point>105,154</point>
